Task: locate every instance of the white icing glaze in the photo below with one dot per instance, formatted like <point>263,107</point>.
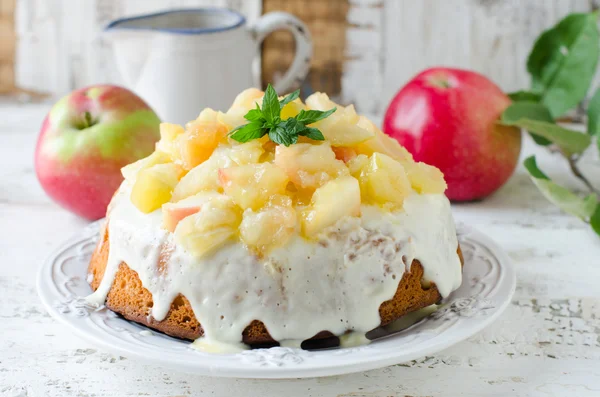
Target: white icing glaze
<point>335,284</point>
<point>353,339</point>
<point>214,346</point>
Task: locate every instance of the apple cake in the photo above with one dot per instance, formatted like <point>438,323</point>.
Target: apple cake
<point>266,241</point>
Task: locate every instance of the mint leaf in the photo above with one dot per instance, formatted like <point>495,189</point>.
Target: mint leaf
<point>280,136</point>
<point>312,116</point>
<point>292,126</point>
<point>294,95</point>
<point>313,133</point>
<point>528,110</point>
<point>563,61</point>
<point>562,197</point>
<point>593,115</point>
<point>270,107</point>
<point>248,132</point>
<point>267,120</point>
<point>524,96</point>
<point>569,141</point>
<point>254,114</point>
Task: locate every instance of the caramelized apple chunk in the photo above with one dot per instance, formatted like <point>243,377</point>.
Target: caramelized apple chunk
<point>383,181</point>
<point>154,185</point>
<point>199,141</point>
<point>330,203</point>
<point>168,135</point>
<point>210,228</point>
<point>251,185</point>
<point>130,171</point>
<point>173,213</point>
<point>341,128</point>
<point>271,226</point>
<point>205,176</point>
<point>380,143</point>
<point>309,166</point>
<point>425,179</point>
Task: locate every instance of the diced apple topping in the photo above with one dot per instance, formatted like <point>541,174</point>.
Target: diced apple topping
<point>357,164</point>
<point>245,101</point>
<point>381,143</point>
<point>207,115</point>
<point>251,185</point>
<point>130,171</point>
<point>341,128</point>
<point>212,188</point>
<point>269,227</point>
<point>205,176</point>
<point>173,213</point>
<point>309,166</point>
<point>292,109</point>
<point>168,134</point>
<point>246,153</point>
<point>384,181</point>
<point>330,203</point>
<point>210,228</point>
<point>154,185</point>
<point>424,178</point>
<point>344,153</point>
<point>199,141</point>
<point>231,120</point>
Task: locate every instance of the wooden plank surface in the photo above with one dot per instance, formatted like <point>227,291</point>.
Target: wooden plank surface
<point>385,44</point>
<point>67,35</point>
<point>547,343</point>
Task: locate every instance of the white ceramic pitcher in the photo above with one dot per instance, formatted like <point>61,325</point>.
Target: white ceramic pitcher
<point>182,61</point>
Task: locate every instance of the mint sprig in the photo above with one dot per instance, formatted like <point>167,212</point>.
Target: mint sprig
<point>267,121</point>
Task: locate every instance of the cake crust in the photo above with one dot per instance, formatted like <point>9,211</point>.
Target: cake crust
<point>129,298</point>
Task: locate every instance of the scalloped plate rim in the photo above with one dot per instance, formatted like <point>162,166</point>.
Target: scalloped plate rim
<point>318,369</point>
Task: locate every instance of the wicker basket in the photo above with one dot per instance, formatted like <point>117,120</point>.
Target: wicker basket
<point>7,46</point>
<point>326,20</point>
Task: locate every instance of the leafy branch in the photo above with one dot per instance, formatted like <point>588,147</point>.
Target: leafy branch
<point>562,65</point>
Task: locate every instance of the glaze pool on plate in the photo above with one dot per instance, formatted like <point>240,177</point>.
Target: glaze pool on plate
<point>489,283</point>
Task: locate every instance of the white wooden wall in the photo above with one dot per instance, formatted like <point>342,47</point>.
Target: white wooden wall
<point>388,41</point>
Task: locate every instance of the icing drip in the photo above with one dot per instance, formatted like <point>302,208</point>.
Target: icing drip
<point>336,283</point>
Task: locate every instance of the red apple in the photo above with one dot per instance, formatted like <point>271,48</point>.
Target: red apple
<point>85,140</point>
<point>447,118</point>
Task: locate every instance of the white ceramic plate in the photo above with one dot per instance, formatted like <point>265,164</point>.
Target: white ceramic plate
<point>487,288</point>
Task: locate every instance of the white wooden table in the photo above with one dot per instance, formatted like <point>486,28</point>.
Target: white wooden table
<point>547,343</point>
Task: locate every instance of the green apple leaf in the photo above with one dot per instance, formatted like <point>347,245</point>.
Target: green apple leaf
<point>562,197</point>
<point>528,110</point>
<point>595,220</point>
<point>524,96</point>
<point>568,141</point>
<point>563,61</point>
<point>593,114</point>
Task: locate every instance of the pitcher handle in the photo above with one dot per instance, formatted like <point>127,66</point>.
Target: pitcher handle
<point>296,73</point>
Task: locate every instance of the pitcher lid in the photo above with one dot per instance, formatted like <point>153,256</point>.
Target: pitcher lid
<point>183,21</point>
